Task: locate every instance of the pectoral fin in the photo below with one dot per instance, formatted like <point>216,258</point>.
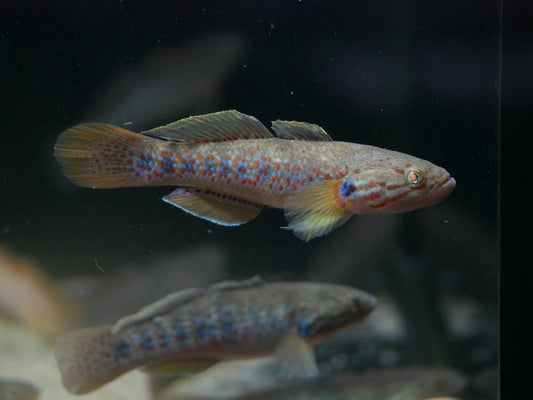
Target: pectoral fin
<point>216,207</point>
<point>295,357</point>
<point>316,210</point>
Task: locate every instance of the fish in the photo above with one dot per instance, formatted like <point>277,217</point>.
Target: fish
<point>32,298</point>
<point>195,328</point>
<point>228,166</point>
<point>169,80</point>
<point>12,389</point>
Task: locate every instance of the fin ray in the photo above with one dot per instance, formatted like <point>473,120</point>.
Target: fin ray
<point>294,130</point>
<point>216,207</point>
<point>214,127</point>
<point>315,210</point>
<point>93,155</point>
<point>84,358</point>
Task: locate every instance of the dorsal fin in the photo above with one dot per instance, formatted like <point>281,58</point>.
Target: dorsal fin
<point>179,298</point>
<point>215,127</point>
<point>294,130</point>
<point>162,306</point>
<point>255,280</point>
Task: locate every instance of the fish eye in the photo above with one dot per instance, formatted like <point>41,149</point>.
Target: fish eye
<point>414,177</point>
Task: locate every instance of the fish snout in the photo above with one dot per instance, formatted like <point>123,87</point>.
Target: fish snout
<point>443,186</point>
<point>365,304</point>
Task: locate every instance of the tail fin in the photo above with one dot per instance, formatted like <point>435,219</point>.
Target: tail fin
<point>86,360</point>
<point>96,155</point>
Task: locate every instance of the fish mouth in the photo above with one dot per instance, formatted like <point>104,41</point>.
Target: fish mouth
<point>443,187</point>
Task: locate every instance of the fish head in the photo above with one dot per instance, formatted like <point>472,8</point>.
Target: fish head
<point>332,308</point>
<point>395,184</point>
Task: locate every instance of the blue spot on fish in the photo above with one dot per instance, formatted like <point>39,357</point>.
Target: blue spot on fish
<point>147,343</point>
<point>302,329</point>
<point>188,166</point>
<point>199,328</point>
<point>167,164</point>
<point>122,349</point>
<point>145,160</point>
<point>182,335</point>
<point>226,325</point>
<point>346,189</point>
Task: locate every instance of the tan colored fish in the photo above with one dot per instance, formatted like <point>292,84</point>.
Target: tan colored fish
<point>13,389</point>
<point>228,166</point>
<point>230,320</point>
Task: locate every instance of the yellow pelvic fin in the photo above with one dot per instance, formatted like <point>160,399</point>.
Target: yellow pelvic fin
<point>216,207</point>
<point>215,127</point>
<point>316,210</point>
<point>294,130</point>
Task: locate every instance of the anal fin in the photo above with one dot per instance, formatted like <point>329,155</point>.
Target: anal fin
<point>216,207</point>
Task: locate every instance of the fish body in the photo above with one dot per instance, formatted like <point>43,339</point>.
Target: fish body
<point>231,320</point>
<point>228,166</point>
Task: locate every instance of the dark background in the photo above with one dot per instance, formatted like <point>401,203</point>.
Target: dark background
<point>417,77</point>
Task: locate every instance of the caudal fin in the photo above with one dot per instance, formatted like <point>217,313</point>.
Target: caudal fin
<point>98,155</point>
<point>86,359</point>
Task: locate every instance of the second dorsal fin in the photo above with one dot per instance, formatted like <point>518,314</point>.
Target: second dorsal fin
<point>215,127</point>
<point>294,130</point>
<point>255,280</point>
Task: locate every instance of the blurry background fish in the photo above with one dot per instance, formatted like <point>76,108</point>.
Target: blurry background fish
<point>31,298</point>
<point>169,82</point>
<point>418,77</point>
